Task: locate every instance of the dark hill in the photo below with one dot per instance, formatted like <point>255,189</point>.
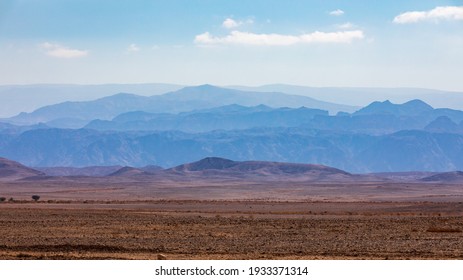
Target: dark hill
<point>213,166</point>
<point>11,170</point>
<point>151,168</point>
<point>206,163</point>
<point>454,176</point>
<point>128,171</point>
<point>90,171</point>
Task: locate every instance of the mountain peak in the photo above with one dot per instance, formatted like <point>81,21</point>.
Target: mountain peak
<point>120,96</point>
<point>206,86</point>
<point>257,169</point>
<point>195,93</point>
<point>207,163</point>
<point>442,124</point>
<point>127,171</point>
<point>410,108</point>
<point>418,104</point>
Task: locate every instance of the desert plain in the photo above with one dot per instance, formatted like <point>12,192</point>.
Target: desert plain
<point>147,217</point>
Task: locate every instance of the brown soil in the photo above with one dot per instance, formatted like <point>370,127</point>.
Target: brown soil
<point>231,230</point>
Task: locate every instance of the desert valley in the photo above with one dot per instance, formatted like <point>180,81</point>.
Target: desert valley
<point>244,139</point>
<point>218,173</point>
<point>221,209</point>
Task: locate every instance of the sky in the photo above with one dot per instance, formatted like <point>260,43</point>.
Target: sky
<point>357,43</point>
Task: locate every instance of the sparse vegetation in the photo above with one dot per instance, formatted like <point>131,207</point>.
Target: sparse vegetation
<point>2,199</point>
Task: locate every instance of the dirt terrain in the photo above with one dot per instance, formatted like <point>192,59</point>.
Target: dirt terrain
<point>231,230</point>
<point>220,209</point>
<point>187,188</point>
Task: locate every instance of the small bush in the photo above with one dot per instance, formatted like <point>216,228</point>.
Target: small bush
<point>2,199</point>
<point>36,197</point>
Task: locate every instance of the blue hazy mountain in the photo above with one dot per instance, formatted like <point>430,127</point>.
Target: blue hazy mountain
<point>81,112</point>
<point>402,151</point>
<point>27,98</point>
<point>444,124</point>
<point>362,96</point>
<point>376,118</point>
<point>386,117</point>
<point>8,128</point>
<point>199,122</point>
<point>413,108</point>
<point>228,117</point>
<point>410,108</point>
<point>186,99</point>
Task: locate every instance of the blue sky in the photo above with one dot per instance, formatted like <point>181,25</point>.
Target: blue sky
<point>224,42</point>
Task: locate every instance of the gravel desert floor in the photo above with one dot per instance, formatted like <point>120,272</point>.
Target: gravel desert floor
<point>231,230</point>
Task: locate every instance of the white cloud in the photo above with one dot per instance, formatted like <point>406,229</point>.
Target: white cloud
<point>231,23</point>
<point>133,48</point>
<point>59,51</point>
<point>246,38</point>
<point>346,25</point>
<point>337,12</point>
<point>436,14</point>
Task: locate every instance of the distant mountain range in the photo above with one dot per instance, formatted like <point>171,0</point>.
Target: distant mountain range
<point>361,96</point>
<point>386,117</point>
<point>206,121</point>
<point>27,98</point>
<point>229,117</point>
<point>78,114</point>
<point>376,118</point>
<point>407,150</point>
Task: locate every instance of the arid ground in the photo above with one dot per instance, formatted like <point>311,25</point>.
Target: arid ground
<point>186,217</point>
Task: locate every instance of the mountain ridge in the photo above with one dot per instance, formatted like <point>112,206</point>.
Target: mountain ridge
<point>408,150</point>
<point>186,99</point>
<point>229,117</point>
<point>362,96</point>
